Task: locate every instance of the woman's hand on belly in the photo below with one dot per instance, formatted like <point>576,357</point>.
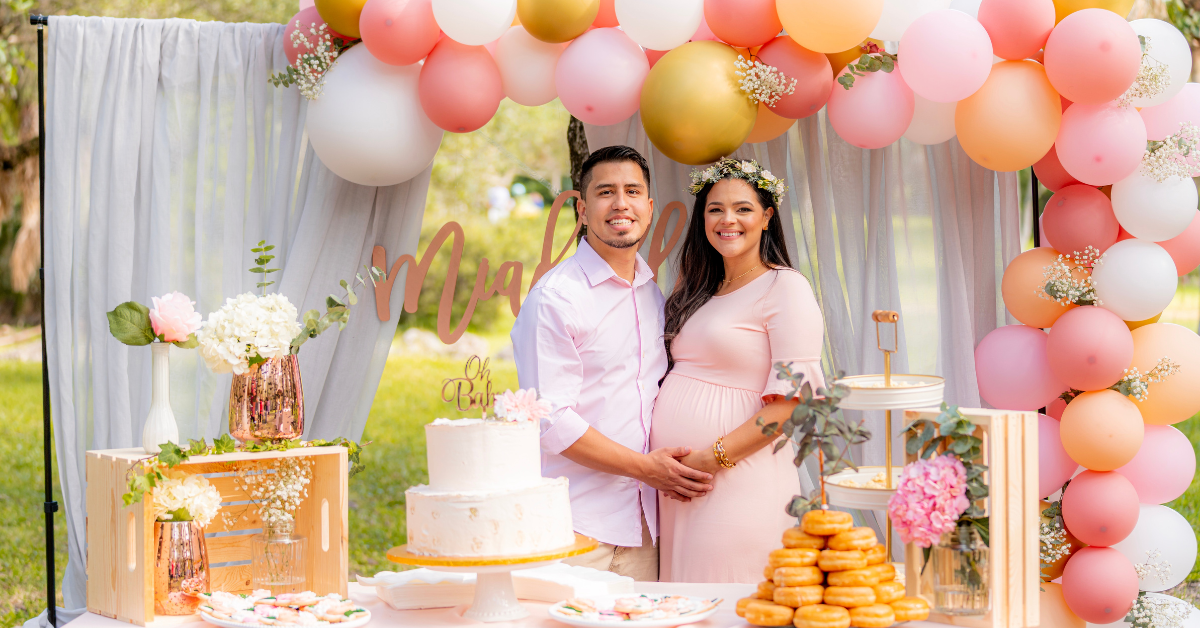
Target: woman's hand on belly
<point>702,460</point>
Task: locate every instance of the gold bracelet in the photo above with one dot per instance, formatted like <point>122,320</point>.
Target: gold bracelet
<point>719,453</point>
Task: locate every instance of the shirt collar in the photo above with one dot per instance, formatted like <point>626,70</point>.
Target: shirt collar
<point>598,271</point>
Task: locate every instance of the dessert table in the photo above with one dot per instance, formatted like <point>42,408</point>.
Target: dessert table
<point>383,615</point>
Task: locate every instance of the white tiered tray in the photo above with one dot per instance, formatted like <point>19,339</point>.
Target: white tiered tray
<point>867,392</point>
<point>861,498</point>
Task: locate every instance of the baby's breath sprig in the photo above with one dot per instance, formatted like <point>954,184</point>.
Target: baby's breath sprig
<point>1053,535</point>
<point>761,82</point>
<point>1154,77</point>
<point>1069,278</point>
<point>276,496</point>
<point>1137,385</point>
<point>1158,612</point>
<point>309,72</point>
<point>1155,567</point>
<point>1175,156</point>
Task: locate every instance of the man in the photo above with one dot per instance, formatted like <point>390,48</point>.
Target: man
<point>589,338</point>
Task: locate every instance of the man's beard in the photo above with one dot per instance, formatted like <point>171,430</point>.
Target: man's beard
<point>623,243</point>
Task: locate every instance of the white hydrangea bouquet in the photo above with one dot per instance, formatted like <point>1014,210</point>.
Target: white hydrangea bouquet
<point>186,497</point>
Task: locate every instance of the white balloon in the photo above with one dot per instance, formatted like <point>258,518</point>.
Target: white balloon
<point>1191,620</point>
<point>932,123</point>
<point>1136,280</point>
<point>660,24</point>
<point>1170,47</point>
<point>970,7</point>
<point>474,22</point>
<point>1154,211</point>
<point>898,14</point>
<point>1161,529</point>
<point>368,126</point>
<point>527,67</point>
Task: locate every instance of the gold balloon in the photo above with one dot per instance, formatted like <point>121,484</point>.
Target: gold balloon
<point>341,15</point>
<point>692,108</point>
<point>829,25</point>
<point>1056,568</point>
<point>1063,8</point>
<point>1132,325</point>
<point>768,125</point>
<point>1012,121</point>
<point>557,21</point>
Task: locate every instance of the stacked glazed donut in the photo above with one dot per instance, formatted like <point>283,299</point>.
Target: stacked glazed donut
<point>830,574</point>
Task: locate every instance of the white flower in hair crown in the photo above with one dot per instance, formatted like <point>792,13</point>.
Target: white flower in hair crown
<point>748,170</point>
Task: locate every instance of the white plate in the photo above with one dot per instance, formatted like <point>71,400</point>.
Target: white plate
<point>862,498</point>
<point>606,602</point>
<point>909,391</point>
<point>223,623</point>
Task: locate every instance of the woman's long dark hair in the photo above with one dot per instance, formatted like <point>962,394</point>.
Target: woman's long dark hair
<point>700,269</point>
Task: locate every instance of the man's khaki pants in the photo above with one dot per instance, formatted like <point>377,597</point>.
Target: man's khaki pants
<point>639,563</point>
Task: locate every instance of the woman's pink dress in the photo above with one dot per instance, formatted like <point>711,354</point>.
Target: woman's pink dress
<point>724,358</point>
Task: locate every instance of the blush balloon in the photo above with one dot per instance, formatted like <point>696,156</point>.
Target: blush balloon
<point>1185,247</point>
<point>1101,144</point>
<point>1018,28</point>
<point>1163,468</point>
<point>305,21</point>
<point>1013,370</point>
<point>1100,509</point>
<point>874,113</point>
<point>599,76</point>
<point>527,67</point>
<point>1092,56</point>
<point>947,55</point>
<point>1165,119</point>
<point>1023,279</point>
<point>1079,216</point>
<point>460,86</point>
<point>1100,585</point>
<point>1050,172</point>
<point>398,32</point>
<point>1055,467</point>
<point>811,70</point>
<point>1089,348</point>
<point>1101,430</point>
<point>745,23</point>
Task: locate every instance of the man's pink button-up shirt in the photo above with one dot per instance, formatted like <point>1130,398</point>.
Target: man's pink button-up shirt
<point>592,345</point>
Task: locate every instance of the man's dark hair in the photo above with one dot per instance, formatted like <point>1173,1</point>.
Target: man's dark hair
<point>610,154</point>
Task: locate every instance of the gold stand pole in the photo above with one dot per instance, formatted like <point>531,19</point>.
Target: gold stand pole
<point>887,316</point>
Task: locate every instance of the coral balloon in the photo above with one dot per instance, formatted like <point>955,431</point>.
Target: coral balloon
<point>341,15</point>
<point>745,23</point>
<point>1101,430</point>
<point>1092,56</point>
<point>557,21</point>
<point>1101,144</point>
<point>660,25</point>
<point>1100,585</point>
<point>1018,28</point>
<point>606,17</point>
<point>1165,119</point>
<point>599,76</point>
<point>1154,210</point>
<point>474,22</point>
<point>1012,120</point>
<point>1184,248</point>
<point>899,15</point>
<point>306,21</point>
<point>399,32</point>
<point>811,70</point>
<point>1053,610</point>
<point>932,123</point>
<point>1167,46</point>
<point>1079,216</point>
<point>1013,371</point>
<point>368,126</point>
<point>1177,397</point>
<point>826,26</point>
<point>1163,468</point>
<point>1137,279</point>
<point>1063,8</point>
<point>1055,410</point>
<point>768,125</point>
<point>527,67</point>
<point>1021,287</point>
<point>947,56</point>
<point>1050,172</point>
<point>857,116</point>
<point>1089,348</point>
<point>1160,529</point>
<point>1055,467</point>
<point>692,108</point>
<point>1100,509</point>
<point>461,88</point>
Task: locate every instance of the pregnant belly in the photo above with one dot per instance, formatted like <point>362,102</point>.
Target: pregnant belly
<point>693,413</point>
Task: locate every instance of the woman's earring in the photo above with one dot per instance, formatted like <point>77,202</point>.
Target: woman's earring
<point>766,225</point>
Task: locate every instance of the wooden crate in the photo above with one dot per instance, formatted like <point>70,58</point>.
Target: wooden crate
<point>1010,447</point>
<point>120,539</point>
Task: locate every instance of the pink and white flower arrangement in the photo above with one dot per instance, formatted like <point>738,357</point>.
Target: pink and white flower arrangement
<point>174,317</point>
<point>522,405</point>
<point>186,497</point>
<point>931,496</point>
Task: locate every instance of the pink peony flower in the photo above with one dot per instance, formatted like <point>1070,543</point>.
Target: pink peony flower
<point>930,498</point>
<point>522,405</point>
<point>174,317</point>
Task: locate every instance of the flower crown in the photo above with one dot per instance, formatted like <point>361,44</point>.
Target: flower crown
<point>748,170</point>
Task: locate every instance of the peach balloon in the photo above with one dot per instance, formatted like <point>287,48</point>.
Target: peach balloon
<point>768,125</point>
<point>1090,348</point>
<point>1050,172</point>
<point>1185,247</point>
<point>1100,508</point>
<point>1079,216</point>
<point>874,112</point>
<point>1018,28</point>
<point>606,17</point>
<point>811,70</point>
<point>1165,119</point>
<point>745,23</point>
<point>1177,397</point>
<point>1101,144</point>
<point>1053,610</point>
<point>947,55</point>
<point>1022,283</point>
<point>1102,430</point>
<point>826,26</point>
<point>1012,120</point>
<point>399,32</point>
<point>460,86</point>
<point>1093,56</point>
<point>1100,585</point>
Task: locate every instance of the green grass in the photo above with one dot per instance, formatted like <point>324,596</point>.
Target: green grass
<point>1188,504</point>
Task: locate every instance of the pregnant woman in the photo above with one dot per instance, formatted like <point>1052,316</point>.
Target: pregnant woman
<point>738,309</point>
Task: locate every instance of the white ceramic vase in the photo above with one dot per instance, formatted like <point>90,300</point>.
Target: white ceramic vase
<point>160,423</point>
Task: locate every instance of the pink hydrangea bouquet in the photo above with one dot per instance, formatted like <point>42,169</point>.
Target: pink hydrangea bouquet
<point>173,319</point>
<point>522,405</point>
<point>930,498</point>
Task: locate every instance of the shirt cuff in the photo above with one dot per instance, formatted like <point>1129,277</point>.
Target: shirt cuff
<point>811,368</point>
<point>564,431</point>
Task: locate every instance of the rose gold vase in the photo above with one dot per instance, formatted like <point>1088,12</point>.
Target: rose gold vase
<point>267,402</point>
<point>180,567</point>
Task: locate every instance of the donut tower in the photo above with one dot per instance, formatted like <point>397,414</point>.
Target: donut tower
<point>830,574</point>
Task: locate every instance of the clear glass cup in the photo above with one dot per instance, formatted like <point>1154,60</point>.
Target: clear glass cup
<point>277,559</point>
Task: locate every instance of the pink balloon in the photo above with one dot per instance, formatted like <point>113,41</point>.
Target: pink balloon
<point>1042,239</point>
<point>811,70</point>
<point>1100,144</point>
<point>1018,28</point>
<point>599,76</point>
<point>947,55</point>
<point>743,23</point>
<point>1089,348</point>
<point>1055,467</point>
<point>304,4</point>
<point>398,32</point>
<point>1055,410</point>
<point>306,20</point>
<point>1092,56</point>
<point>874,112</point>
<point>460,86</point>
<point>1078,216</point>
<point>1163,468</point>
<point>1013,370</point>
<point>1163,120</point>
<point>1100,508</point>
<point>1099,585</point>
<point>1050,172</point>
<point>1185,247</point>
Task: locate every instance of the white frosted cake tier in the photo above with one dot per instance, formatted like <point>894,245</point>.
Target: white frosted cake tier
<point>478,455</point>
<point>509,522</point>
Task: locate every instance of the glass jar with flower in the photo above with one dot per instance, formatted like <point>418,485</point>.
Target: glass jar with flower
<point>183,505</point>
<point>277,554</point>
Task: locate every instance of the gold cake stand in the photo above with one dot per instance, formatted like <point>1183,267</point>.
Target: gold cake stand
<point>495,598</point>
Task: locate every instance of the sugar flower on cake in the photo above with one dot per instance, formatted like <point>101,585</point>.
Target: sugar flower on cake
<point>186,497</point>
<point>522,405</point>
<point>248,328</point>
<point>931,496</point>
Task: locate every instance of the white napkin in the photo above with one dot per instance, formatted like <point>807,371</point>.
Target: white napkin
<point>425,588</point>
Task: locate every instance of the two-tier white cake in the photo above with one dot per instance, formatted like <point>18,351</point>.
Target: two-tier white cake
<point>486,494</point>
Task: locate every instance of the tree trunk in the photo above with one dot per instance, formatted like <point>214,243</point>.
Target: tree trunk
<point>577,144</point>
